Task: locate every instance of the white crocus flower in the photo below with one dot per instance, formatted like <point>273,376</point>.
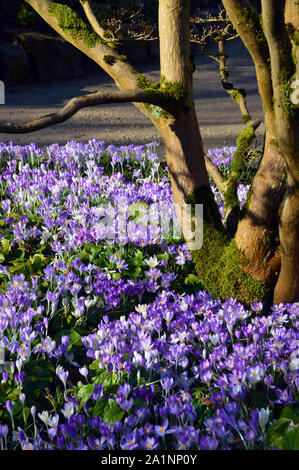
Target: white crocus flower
<point>83,371</point>
<point>152,262</point>
<point>263,418</point>
<point>214,339</point>
<point>53,422</point>
<point>142,309</point>
<point>44,417</point>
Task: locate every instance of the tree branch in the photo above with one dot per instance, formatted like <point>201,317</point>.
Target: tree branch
<point>283,72</point>
<point>104,34</point>
<point>252,36</point>
<point>238,95</point>
<point>124,75</point>
<point>215,174</point>
<point>80,102</point>
<point>291,13</point>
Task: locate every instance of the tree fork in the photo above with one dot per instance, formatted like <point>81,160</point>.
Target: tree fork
<point>259,226</point>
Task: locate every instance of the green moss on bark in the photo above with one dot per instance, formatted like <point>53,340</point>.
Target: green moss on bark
<point>109,59</point>
<point>73,25</point>
<point>238,167</point>
<point>173,92</point>
<point>286,95</point>
<point>254,23</point>
<point>245,118</point>
<point>237,95</point>
<point>204,195</point>
<point>219,265</point>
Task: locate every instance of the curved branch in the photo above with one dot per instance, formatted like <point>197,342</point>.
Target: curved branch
<point>75,104</point>
<point>216,175</point>
<point>95,24</point>
<point>252,36</point>
<point>236,94</point>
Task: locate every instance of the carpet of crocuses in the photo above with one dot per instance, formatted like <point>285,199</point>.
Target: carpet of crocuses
<point>108,339</point>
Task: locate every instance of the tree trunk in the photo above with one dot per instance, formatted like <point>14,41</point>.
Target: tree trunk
<point>287,287</point>
<point>283,72</point>
<point>258,230</point>
<point>219,259</point>
<point>182,138</point>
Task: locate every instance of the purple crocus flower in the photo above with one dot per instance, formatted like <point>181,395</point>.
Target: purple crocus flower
<point>208,443</point>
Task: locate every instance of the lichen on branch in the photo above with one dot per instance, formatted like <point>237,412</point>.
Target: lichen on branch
<point>172,92</point>
<point>238,166</point>
<point>72,24</point>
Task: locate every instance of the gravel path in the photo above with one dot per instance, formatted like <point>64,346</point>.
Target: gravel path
<point>218,115</point>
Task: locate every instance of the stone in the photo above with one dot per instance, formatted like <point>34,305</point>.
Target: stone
<point>14,65</point>
<point>53,58</point>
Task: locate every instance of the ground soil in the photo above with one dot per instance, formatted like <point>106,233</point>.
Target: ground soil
<point>218,115</point>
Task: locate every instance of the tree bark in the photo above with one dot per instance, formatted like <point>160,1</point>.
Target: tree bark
<point>84,101</point>
<point>283,71</point>
<point>182,138</point>
<point>184,149</point>
<point>258,229</point>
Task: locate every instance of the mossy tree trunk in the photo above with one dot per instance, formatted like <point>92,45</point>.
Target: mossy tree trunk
<point>284,72</point>
<point>247,265</point>
<point>258,231</point>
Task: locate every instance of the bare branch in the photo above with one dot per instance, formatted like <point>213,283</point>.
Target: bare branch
<point>75,104</point>
<point>251,34</point>
<point>214,26</point>
<point>215,174</point>
<point>238,95</point>
<point>104,34</point>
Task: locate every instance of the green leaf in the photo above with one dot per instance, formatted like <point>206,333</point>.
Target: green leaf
<point>138,209</point>
<point>94,365</point>
<point>99,408</point>
<point>291,440</point>
<point>111,389</point>
<point>100,262</point>
<point>5,389</point>
<point>27,414</point>
<point>20,253</point>
<point>116,275</point>
<point>35,262</point>
<point>277,432</point>
<point>5,245</point>
<point>192,280</point>
<point>259,399</point>
<point>291,413</point>
<point>75,337</point>
<point>137,272</point>
<point>14,395</point>
<point>112,412</point>
<point>16,268</point>
<point>163,256</point>
<point>41,371</point>
<point>106,379</point>
<point>85,392</point>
